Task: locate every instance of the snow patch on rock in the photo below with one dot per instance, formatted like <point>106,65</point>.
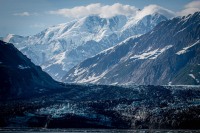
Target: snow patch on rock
<point>23,67</point>
<point>153,54</point>
<point>185,49</point>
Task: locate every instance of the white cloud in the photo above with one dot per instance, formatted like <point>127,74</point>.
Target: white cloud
<point>190,8</point>
<point>104,11</point>
<point>193,4</point>
<point>151,9</point>
<point>117,9</point>
<point>22,14</point>
<point>107,11</point>
<point>26,14</point>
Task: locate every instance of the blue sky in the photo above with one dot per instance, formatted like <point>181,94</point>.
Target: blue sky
<point>28,17</point>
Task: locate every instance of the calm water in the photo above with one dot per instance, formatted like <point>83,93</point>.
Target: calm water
<point>93,131</point>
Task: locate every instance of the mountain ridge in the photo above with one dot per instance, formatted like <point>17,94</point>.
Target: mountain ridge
<point>149,59</point>
<point>59,48</point>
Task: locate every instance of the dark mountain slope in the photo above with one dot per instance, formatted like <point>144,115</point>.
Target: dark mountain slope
<point>19,76</point>
<point>169,54</point>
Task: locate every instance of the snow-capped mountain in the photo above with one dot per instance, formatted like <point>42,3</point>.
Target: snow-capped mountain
<point>168,54</point>
<point>59,48</point>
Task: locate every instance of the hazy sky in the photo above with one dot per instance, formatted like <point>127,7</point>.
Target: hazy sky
<point>28,17</point>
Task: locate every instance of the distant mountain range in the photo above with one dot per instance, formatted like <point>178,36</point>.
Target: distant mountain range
<point>167,55</point>
<point>59,48</point>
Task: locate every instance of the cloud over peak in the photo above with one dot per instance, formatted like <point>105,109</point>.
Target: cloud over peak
<point>104,11</point>
<point>190,8</point>
<point>193,4</point>
<point>107,11</point>
<point>152,9</point>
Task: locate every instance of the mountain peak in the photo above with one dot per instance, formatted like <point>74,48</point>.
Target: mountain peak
<point>13,38</point>
<point>8,37</point>
<point>154,9</point>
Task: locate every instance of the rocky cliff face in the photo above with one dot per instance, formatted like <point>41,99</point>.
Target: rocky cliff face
<point>168,54</point>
